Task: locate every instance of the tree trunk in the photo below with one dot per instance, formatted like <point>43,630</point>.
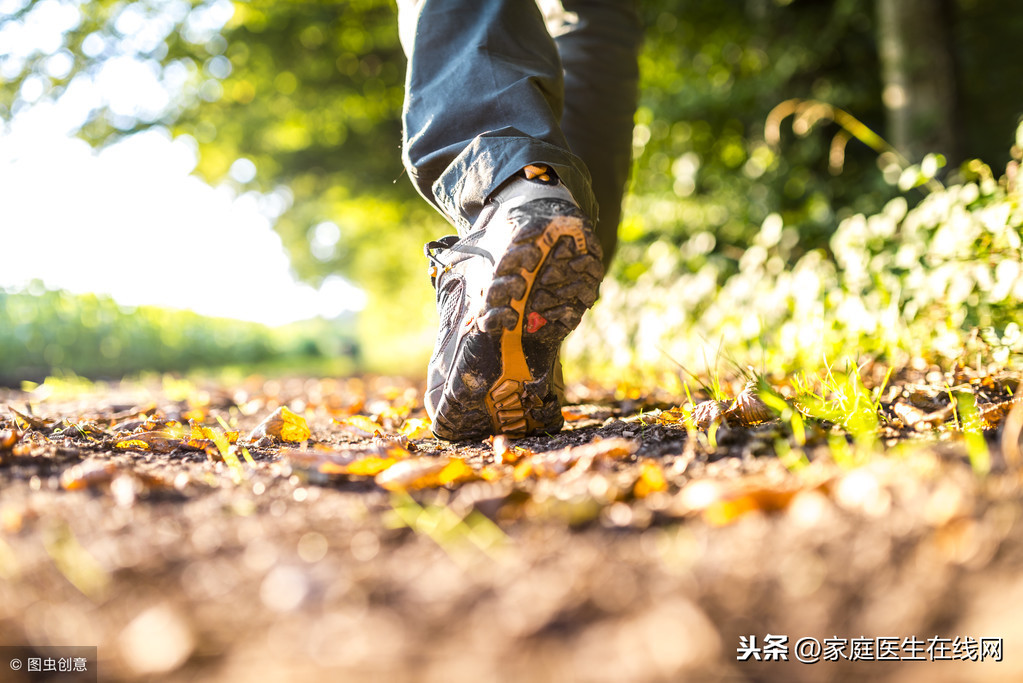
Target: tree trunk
<point>918,72</point>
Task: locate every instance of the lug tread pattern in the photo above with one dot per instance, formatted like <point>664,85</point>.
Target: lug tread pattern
<point>565,283</point>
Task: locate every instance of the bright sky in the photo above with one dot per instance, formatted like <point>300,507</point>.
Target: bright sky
<point>130,221</point>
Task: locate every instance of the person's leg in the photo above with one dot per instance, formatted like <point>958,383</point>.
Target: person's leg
<point>483,143</point>
<point>599,42</point>
<point>484,98</point>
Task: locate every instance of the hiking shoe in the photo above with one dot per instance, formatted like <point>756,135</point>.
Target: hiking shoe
<point>508,292</point>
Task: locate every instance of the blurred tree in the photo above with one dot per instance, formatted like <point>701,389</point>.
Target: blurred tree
<point>43,332</point>
<point>918,68</point>
<point>298,97</point>
<point>712,72</point>
<point>303,100</point>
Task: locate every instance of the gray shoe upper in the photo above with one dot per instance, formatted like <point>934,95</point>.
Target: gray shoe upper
<point>463,269</point>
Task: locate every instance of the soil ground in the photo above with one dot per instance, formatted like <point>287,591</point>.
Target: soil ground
<point>624,548</point>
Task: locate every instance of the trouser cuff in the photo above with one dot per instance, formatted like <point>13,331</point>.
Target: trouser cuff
<point>494,157</point>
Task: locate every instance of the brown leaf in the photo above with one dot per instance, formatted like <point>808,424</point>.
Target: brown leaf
<point>727,510</point>
<point>573,414</point>
<point>651,479</point>
<point>361,462</point>
<point>417,428</point>
<point>749,409</point>
<point>707,413</point>
<point>9,437</point>
<point>25,421</point>
<point>284,425</point>
<point>158,442</point>
<point>360,425</point>
<point>579,458</point>
<point>507,453</point>
<point>424,472</point>
<point>87,475</point>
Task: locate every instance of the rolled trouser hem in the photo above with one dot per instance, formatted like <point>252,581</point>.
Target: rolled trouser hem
<point>494,157</point>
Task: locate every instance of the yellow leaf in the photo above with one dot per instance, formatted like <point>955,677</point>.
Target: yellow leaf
<point>360,425</point>
<point>455,472</point>
<point>199,432</point>
<point>523,470</point>
<point>9,437</point>
<point>424,472</point>
<point>294,427</point>
<point>368,467</point>
<point>284,425</point>
<point>159,441</point>
<point>364,462</point>
<point>87,474</point>
<point>505,452</point>
<point>132,443</point>
<point>491,473</point>
<point>417,428</point>
<point>727,510</point>
<point>197,414</point>
<point>672,416</point>
<point>651,479</point>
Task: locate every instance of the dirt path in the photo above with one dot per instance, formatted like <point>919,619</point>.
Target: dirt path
<point>625,548</point>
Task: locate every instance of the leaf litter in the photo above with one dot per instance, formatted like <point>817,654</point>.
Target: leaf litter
<point>776,485</point>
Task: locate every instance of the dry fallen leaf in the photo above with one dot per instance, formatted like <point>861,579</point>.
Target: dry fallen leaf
<point>573,414</point>
<point>284,425</point>
<point>723,503</point>
<point>365,467</point>
<point>159,442</point>
<point>9,437</point>
<point>424,472</point>
<point>87,475</point>
<point>363,462</point>
<point>749,409</point>
<point>360,425</point>
<point>727,510</point>
<point>196,414</point>
<point>417,428</point>
<point>579,458</point>
<point>707,413</point>
<point>651,479</point>
<point>132,443</point>
<point>25,421</point>
<point>672,416</point>
<point>505,452</point>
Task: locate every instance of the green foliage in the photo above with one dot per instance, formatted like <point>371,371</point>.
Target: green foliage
<point>312,97</point>
<point>712,72</point>
<point>50,332</point>
<point>902,281</point>
<point>306,94</point>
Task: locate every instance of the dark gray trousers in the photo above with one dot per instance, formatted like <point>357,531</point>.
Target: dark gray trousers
<point>495,85</point>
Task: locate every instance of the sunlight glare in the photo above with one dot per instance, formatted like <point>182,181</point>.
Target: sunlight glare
<point>130,221</point>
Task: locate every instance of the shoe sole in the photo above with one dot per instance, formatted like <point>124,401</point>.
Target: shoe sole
<point>502,379</point>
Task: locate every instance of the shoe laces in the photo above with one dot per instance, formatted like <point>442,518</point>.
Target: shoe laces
<point>432,249</point>
<point>540,173</point>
